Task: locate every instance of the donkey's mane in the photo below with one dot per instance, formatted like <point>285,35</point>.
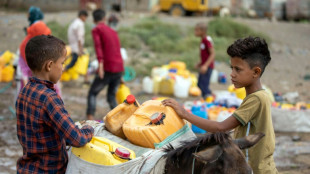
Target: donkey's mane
<point>180,155</point>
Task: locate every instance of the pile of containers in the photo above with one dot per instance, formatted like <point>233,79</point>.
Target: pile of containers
<point>80,67</point>
<point>6,66</point>
<point>143,125</point>
<point>172,79</point>
<point>208,110</point>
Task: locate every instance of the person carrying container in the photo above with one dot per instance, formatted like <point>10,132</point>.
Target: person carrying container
<point>76,37</point>
<point>249,57</point>
<point>111,65</point>
<point>44,127</point>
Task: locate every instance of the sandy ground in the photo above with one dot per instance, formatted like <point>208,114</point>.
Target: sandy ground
<point>290,52</point>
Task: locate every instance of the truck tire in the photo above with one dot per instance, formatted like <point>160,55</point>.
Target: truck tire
<point>177,10</point>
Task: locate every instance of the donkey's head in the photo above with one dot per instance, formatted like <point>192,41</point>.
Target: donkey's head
<point>212,153</point>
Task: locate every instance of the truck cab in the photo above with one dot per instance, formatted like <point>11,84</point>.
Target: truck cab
<point>181,7</point>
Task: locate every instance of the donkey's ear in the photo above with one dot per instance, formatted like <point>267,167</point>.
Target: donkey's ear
<point>210,154</point>
<point>248,141</point>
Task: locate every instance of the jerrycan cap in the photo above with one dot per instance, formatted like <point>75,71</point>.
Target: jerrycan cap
<point>130,99</point>
<point>122,153</point>
<point>157,117</point>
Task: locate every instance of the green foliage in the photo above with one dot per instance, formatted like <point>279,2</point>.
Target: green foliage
<point>61,32</point>
<point>227,28</point>
<point>58,30</point>
<point>129,40</point>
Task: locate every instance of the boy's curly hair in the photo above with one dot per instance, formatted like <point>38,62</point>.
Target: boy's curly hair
<point>253,50</point>
<point>42,48</point>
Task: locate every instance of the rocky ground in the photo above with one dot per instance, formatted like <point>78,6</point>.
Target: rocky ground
<point>290,50</point>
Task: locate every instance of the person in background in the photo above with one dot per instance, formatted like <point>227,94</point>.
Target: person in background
<point>111,65</point>
<point>36,27</point>
<point>207,56</point>
<point>44,127</point>
<point>249,58</point>
<point>76,38</point>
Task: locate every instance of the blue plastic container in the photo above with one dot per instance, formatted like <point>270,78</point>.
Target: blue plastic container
<point>202,114</point>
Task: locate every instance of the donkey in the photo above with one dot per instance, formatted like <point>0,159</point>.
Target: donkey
<point>211,154</point>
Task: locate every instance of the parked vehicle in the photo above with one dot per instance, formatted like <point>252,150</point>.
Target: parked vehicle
<point>182,7</point>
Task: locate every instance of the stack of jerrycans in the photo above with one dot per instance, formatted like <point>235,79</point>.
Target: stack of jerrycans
<point>145,124</point>
<point>115,119</point>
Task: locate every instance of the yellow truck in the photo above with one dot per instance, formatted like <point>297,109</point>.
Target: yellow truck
<point>183,7</point>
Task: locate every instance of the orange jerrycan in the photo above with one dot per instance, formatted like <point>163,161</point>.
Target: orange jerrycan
<point>152,123</point>
<point>114,119</point>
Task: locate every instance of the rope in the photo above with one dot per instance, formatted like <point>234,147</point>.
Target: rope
<point>193,165</point>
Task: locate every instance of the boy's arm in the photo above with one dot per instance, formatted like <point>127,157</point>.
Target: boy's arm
<point>208,125</point>
<point>59,119</point>
<point>98,47</point>
<point>211,58</point>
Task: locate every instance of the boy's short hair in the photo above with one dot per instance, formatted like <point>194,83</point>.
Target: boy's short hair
<point>42,48</point>
<point>83,13</point>
<point>202,26</point>
<point>253,50</point>
<point>98,15</point>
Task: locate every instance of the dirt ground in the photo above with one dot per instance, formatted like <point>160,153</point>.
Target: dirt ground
<point>290,51</point>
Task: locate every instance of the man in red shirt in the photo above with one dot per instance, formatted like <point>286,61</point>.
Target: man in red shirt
<point>110,61</point>
<point>207,55</point>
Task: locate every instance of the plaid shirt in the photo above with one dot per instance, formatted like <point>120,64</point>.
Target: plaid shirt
<point>44,128</point>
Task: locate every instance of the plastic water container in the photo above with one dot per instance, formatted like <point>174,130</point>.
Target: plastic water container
<point>200,112</point>
<point>222,78</point>
<point>159,72</point>
<point>214,76</point>
<point>104,152</point>
<point>147,85</point>
<point>152,123</point>
<point>7,74</point>
<point>181,87</point>
<point>166,86</point>
<point>194,80</point>
<point>122,92</point>
<point>156,84</point>
<point>115,119</point>
<point>195,91</point>
<point>177,65</point>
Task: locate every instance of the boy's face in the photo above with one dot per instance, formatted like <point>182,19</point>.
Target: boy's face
<point>83,18</point>
<point>242,75</point>
<point>198,31</point>
<point>57,68</point>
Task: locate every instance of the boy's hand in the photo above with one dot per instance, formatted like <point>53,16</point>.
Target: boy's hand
<point>203,69</point>
<point>101,71</point>
<point>197,66</point>
<point>176,106</point>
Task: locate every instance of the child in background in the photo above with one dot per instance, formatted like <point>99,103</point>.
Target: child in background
<point>111,65</point>
<point>207,56</point>
<point>249,57</point>
<point>44,127</point>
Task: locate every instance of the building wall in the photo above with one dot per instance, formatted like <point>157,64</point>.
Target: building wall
<point>60,5</point>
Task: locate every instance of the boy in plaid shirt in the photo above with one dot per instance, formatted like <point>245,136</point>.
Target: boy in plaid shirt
<point>44,127</point>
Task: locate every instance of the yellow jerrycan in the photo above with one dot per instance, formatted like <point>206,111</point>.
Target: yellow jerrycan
<point>103,151</point>
<point>115,119</point>
<point>7,74</point>
<point>122,92</point>
<point>166,86</point>
<point>152,123</point>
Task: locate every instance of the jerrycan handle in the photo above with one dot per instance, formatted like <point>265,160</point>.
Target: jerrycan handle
<point>103,142</point>
<point>129,100</point>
